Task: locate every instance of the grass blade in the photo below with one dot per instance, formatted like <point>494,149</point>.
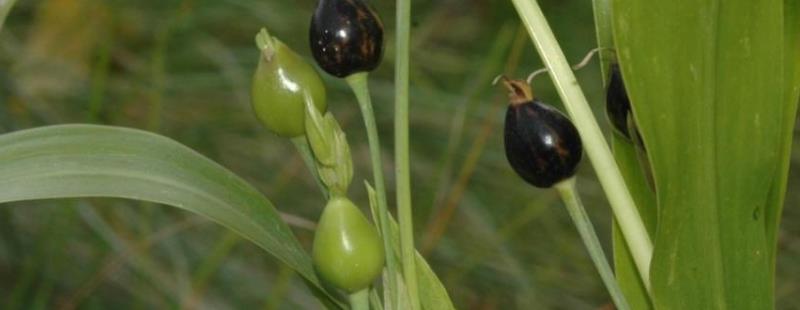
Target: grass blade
<point>102,161</point>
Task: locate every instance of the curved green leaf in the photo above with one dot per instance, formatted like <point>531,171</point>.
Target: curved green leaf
<point>101,161</point>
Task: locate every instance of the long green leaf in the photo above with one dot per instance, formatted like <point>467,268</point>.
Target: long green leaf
<point>701,76</point>
<point>101,161</point>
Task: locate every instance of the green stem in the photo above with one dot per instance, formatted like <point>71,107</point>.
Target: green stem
<point>302,146</point>
<point>358,82</point>
<point>401,149</point>
<point>158,78</point>
<point>5,7</point>
<point>590,240</point>
<point>608,173</point>
<point>360,300</point>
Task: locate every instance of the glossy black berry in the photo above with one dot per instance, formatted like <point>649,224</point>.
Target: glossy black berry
<point>346,37</point>
<point>618,109</point>
<point>542,145</point>
<point>618,106</point>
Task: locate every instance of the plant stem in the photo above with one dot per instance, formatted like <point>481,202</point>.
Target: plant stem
<point>5,7</point>
<point>360,300</point>
<point>302,146</point>
<point>358,82</point>
<point>401,148</point>
<point>586,230</point>
<point>608,173</point>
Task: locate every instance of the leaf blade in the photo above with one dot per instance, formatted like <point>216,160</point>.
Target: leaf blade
<point>69,161</point>
<point>703,86</point>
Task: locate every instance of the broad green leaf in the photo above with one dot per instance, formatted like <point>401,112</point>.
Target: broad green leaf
<point>702,79</point>
<point>101,161</point>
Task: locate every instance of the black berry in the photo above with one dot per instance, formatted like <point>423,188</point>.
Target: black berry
<point>346,37</point>
<point>618,106</point>
<point>542,145</point>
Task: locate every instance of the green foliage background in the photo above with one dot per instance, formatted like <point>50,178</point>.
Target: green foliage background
<point>182,69</point>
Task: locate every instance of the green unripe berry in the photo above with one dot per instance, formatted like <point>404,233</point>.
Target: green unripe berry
<point>279,84</point>
<point>347,253</point>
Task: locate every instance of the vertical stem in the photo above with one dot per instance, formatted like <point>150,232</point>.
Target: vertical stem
<point>99,79</point>
<point>158,78</point>
<point>360,300</point>
<point>404,213</point>
<point>608,173</point>
<point>358,82</point>
<point>302,146</point>
<point>589,236</point>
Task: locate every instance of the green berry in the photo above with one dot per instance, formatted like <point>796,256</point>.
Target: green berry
<point>347,253</point>
<point>280,84</point>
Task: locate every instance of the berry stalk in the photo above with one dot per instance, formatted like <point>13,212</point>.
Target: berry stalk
<point>358,82</point>
<point>584,226</point>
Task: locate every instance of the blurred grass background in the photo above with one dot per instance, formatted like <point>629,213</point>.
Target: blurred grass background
<point>182,68</point>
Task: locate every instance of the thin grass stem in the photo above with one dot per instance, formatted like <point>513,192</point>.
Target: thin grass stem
<point>358,82</point>
<point>584,225</point>
<point>403,185</point>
